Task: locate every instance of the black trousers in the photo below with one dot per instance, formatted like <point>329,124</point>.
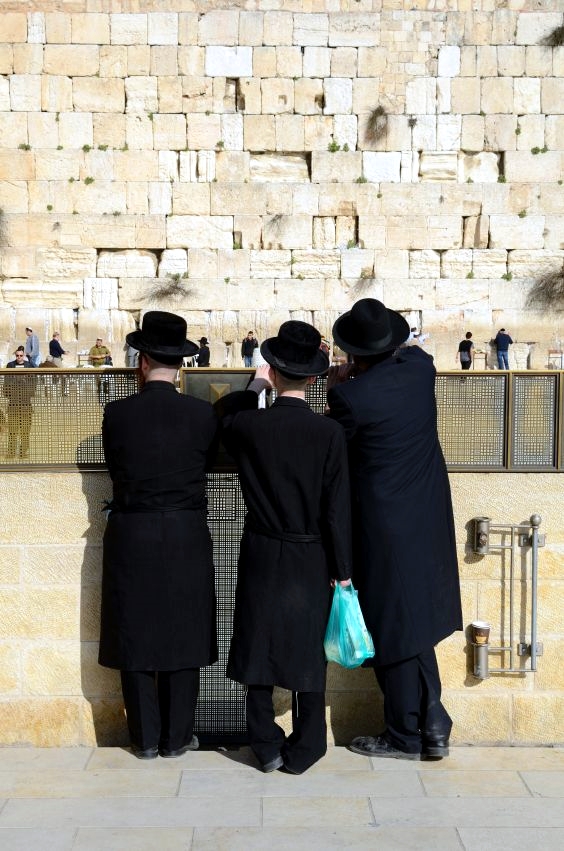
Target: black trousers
<point>308,740</point>
<point>412,701</point>
<point>160,706</point>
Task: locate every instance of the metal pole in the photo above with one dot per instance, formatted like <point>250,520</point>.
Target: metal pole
<point>535,523</point>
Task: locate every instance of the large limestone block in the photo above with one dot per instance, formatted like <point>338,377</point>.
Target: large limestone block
<point>10,678</point>
<point>489,263</point>
<point>75,130</point>
<point>103,197</point>
<point>131,165</point>
<point>497,95</point>
<point>391,264</point>
<point>515,232</point>
<point>538,718</point>
<point>372,232</point>
<point>311,29</point>
<point>424,133</point>
<point>449,128</point>
<point>52,669</point>
<point>138,132</point>
<point>130,264</point>
<point>277,95</point>
<point>169,132</point>
<point>401,293</point>
<point>476,232</point>
<point>61,263</point>
<point>533,27</point>
<point>554,236</point>
<point>340,166</point>
<point>318,132</point>
<point>271,264</point>
<point>93,28</point>
<point>526,167</point>
<point>36,292</point>
<point>381,167</point>
<point>14,195</point>
<point>13,126</point>
<point>424,264</point>
<point>338,96</point>
<point>435,166</point>
<point>141,94</point>
<point>232,132</point>
<point>10,565</point>
<point>234,263</point>
<point>532,132</point>
<point>264,62</point>
<point>357,263</point>
<point>533,264</point>
<point>96,94</point>
<point>278,27</point>
<point>527,96</point>
<point>71,60</point>
<point>290,132</point>
<point>109,130</point>
<point>324,232</point>
<point>230,62</point>
<point>298,294</point>
<point>43,130</point>
<point>317,62</point>
<point>421,96</point>
<point>39,722</point>
<point>199,231</point>
<point>128,28</point>
<point>472,132</point>
<point>15,263</point>
<point>251,28</point>
<point>259,132</point>
<point>449,61</point>
<point>353,29</point>
<point>191,199</point>
<point>162,28</point>
<point>482,167</point>
<point>247,231</point>
<point>100,293</point>
<point>25,92</point>
<point>456,264</point>
<point>204,131</point>
<point>316,264</point>
<point>191,61</point>
<point>281,232</point>
<point>219,26</point>
<point>464,294</point>
<point>279,168</point>
<point>203,263</point>
<point>52,613</point>
<point>234,198</point>
<point>160,198</point>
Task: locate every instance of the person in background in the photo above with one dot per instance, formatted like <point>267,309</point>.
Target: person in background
<point>248,347</point>
<point>131,357</point>
<point>502,342</point>
<point>32,347</point>
<point>203,355</point>
<point>293,471</point>
<point>158,597</point>
<point>56,351</point>
<point>405,564</point>
<point>465,352</point>
<point>19,392</point>
<point>98,353</point>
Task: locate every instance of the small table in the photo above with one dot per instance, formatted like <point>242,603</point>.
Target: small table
<point>555,359</point>
<point>83,359</point>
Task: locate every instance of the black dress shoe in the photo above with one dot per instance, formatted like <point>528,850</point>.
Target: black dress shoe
<point>435,748</point>
<point>144,753</point>
<point>275,763</point>
<point>379,746</point>
<point>192,745</point>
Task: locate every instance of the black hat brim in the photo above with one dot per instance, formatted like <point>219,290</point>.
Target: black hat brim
<point>345,332</point>
<point>136,339</point>
<point>318,365</point>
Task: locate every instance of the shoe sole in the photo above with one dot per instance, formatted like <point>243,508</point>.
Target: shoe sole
<point>274,764</point>
<point>435,753</point>
<point>398,755</point>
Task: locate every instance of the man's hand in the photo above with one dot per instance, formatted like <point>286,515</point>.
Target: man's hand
<point>342,582</point>
<point>263,372</point>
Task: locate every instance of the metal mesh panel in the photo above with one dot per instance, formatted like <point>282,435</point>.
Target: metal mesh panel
<point>533,421</point>
<point>316,395</point>
<point>55,416</point>
<point>221,707</point>
<point>471,419</point>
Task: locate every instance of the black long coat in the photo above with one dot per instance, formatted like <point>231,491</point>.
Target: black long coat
<point>405,564</point>
<point>293,471</point>
<point>158,597</point>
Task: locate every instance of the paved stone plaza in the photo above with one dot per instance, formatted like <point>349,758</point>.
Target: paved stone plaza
<point>97,799</point>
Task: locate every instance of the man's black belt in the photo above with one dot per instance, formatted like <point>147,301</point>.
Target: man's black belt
<point>291,537</point>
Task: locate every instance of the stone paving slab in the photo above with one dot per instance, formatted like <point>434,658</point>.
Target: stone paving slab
<point>510,839</point>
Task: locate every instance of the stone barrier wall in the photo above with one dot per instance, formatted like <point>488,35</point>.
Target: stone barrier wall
<point>243,163</point>
<point>52,691</point>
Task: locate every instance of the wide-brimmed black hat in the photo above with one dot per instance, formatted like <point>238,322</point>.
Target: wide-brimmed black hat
<point>203,341</point>
<point>370,328</point>
<point>295,351</point>
<point>164,334</point>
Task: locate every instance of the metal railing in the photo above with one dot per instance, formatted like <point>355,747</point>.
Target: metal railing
<point>487,420</point>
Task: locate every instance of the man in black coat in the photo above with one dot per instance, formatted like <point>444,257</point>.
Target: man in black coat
<point>293,471</point>
<point>158,597</point>
<point>405,565</point>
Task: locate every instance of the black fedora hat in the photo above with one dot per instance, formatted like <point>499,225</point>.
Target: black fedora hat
<point>370,328</point>
<point>295,351</point>
<point>203,340</point>
<point>164,334</point>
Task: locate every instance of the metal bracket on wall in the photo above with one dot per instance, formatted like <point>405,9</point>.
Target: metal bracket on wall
<point>519,536</point>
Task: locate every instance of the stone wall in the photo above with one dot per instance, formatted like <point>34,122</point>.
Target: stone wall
<point>52,691</point>
<point>243,163</point>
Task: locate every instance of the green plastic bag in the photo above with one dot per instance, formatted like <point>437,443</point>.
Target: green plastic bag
<point>347,641</point>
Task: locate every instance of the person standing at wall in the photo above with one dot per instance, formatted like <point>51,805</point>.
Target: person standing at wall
<point>56,351</point>
<point>465,352</point>
<point>99,353</point>
<point>502,342</point>
<point>158,597</point>
<point>404,565</point>
<point>19,390</point>
<point>203,355</point>
<point>32,347</point>
<point>292,467</point>
<point>248,346</point>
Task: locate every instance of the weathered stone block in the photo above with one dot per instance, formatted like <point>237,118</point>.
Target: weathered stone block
<point>219,26</point>
<point>278,27</point>
<point>316,264</point>
<point>449,61</point>
<point>449,128</point>
<point>515,232</point>
<point>199,232</point>
<point>229,61</point>
<point>271,264</point>
<point>289,61</point>
<point>421,96</point>
<point>128,28</point>
<point>381,167</point>
<point>478,168</point>
<point>280,232</point>
<point>131,264</point>
<point>234,263</point>
<point>278,168</point>
<point>95,94</point>
<point>162,28</point>
<point>39,722</point>
<point>169,132</point>
<point>489,263</point>
<point>355,29</point>
<point>472,133</point>
<point>25,92</point>
<point>90,28</point>
<point>338,96</point>
<point>346,166</point>
<point>357,263</point>
<point>235,199</point>
<point>203,263</point>
<point>141,94</point>
<point>232,132</point>
<point>438,166</point>
<point>75,130</point>
<point>316,62</point>
<point>100,293</point>
<point>290,135</point>
<point>72,60</point>
<point>204,131</point>
<point>251,28</point>
<point>277,95</point>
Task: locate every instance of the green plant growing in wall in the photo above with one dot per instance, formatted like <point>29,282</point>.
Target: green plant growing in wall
<point>102,147</point>
<point>220,145</point>
<point>522,214</point>
<point>49,207</point>
<point>361,179</point>
<point>508,276</point>
<point>86,148</point>
<point>333,146</point>
<point>352,243</point>
<point>470,274</point>
<point>23,146</point>
<point>346,147</point>
<point>554,38</point>
<point>88,180</point>
<point>502,179</point>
